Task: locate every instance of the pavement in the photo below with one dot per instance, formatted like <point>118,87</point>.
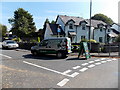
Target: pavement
<point>107,55</point>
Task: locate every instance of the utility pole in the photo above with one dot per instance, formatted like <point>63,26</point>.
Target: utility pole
<point>90,23</point>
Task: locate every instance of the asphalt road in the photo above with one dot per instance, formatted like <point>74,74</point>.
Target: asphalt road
<point>22,70</point>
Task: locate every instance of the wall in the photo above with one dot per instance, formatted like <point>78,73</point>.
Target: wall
<point>98,33</point>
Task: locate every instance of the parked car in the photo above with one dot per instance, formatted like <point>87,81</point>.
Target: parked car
<point>9,44</point>
<point>60,46</point>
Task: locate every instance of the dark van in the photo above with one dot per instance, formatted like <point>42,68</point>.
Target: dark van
<point>60,46</point>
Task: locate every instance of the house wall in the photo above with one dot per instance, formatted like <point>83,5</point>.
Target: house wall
<point>81,32</point>
<point>98,33</point>
<point>48,32</point>
<point>60,22</point>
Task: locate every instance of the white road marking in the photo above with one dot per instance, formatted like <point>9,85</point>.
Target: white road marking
<point>103,61</point>
<point>63,82</point>
<point>76,67</point>
<point>46,68</point>
<point>92,65</point>
<point>67,71</point>
<point>74,74</point>
<point>97,63</point>
<point>83,69</point>
<point>91,61</point>
<point>103,58</point>
<point>97,60</point>
<point>109,60</point>
<point>5,56</point>
<point>84,64</point>
<point>114,59</point>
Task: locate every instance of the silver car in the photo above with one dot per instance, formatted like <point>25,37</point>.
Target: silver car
<point>9,44</point>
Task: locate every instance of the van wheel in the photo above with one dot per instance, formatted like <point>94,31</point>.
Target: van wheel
<point>59,55</point>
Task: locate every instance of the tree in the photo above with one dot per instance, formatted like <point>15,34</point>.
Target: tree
<point>103,18</point>
<point>52,22</point>
<point>22,23</point>
<point>118,38</point>
<point>3,30</point>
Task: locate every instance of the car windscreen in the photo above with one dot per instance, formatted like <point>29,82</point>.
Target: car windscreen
<point>11,42</point>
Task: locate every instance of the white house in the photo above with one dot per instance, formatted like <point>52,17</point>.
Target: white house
<point>77,28</point>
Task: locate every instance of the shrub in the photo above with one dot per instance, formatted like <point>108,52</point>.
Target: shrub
<point>91,40</point>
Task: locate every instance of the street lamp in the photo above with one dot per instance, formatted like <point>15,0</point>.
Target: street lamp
<point>90,23</point>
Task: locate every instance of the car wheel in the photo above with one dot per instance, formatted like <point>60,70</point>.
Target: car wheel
<point>59,55</point>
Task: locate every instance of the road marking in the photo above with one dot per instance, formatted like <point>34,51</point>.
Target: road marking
<point>114,59</point>
<point>76,67</point>
<point>97,63</point>
<point>5,56</point>
<point>91,61</point>
<point>92,65</point>
<point>103,58</point>
<point>63,82</point>
<point>83,69</point>
<point>103,61</point>
<point>74,74</point>
<point>84,64</point>
<point>46,68</point>
<point>109,60</point>
<point>67,71</point>
<point>97,60</point>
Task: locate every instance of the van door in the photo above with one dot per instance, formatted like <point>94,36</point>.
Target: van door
<point>69,45</point>
<point>42,47</point>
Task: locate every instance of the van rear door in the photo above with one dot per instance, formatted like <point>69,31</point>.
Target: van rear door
<point>69,45</point>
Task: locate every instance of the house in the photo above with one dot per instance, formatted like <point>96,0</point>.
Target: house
<point>113,32</point>
<point>77,28</point>
<point>52,31</point>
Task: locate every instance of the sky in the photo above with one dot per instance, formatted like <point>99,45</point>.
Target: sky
<point>50,9</point>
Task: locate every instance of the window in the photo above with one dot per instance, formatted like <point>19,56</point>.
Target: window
<point>101,39</point>
<point>108,30</point>
<point>83,26</point>
<point>82,37</point>
<point>101,29</point>
<point>71,26</point>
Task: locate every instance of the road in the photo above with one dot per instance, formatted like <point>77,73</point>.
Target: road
<point>22,70</point>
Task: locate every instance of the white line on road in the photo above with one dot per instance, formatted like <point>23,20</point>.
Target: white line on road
<point>83,69</point>
<point>63,82</point>
<point>84,64</point>
<point>109,60</point>
<point>74,74</point>
<point>97,63</point>
<point>66,72</point>
<point>46,68</point>
<point>92,65</point>
<point>114,59</point>
<point>103,61</point>
<point>97,60</point>
<point>5,56</point>
<point>76,67</point>
<point>91,61</point>
<point>103,58</point>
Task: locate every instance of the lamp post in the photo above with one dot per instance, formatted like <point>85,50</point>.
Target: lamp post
<point>90,23</point>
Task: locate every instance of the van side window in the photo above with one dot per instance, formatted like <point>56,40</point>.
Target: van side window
<point>44,43</point>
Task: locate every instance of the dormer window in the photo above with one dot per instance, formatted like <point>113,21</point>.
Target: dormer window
<point>101,29</point>
<point>70,26</point>
<point>83,26</point>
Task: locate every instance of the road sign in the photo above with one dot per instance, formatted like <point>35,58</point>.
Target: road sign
<point>84,49</point>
